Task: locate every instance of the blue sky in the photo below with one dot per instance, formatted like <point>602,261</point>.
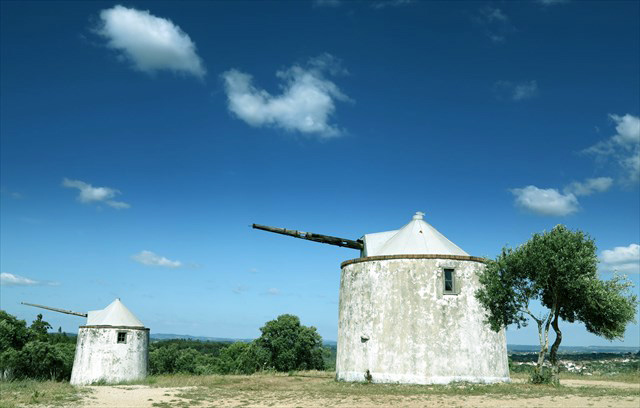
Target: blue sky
<point>140,140</point>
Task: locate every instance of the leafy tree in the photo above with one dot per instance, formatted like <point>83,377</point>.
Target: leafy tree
<point>290,345</point>
<point>243,358</point>
<point>13,332</point>
<point>162,360</point>
<point>559,269</point>
<point>39,329</point>
<point>32,352</point>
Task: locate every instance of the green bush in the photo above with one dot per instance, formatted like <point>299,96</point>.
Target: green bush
<point>544,377</point>
<point>30,352</point>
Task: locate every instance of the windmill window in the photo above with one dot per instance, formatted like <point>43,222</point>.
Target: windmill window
<point>449,282</point>
<point>122,337</point>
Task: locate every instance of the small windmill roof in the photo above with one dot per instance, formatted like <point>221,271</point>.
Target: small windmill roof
<point>416,238</point>
<point>116,314</point>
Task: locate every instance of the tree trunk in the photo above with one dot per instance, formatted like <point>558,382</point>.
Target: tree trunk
<point>553,356</point>
<point>544,343</point>
<point>543,335</point>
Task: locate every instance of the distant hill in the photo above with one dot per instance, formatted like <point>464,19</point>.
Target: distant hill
<point>523,348</point>
<point>511,348</point>
<point>171,336</point>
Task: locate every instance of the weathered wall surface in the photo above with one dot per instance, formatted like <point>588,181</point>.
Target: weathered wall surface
<point>396,322</point>
<point>99,357</point>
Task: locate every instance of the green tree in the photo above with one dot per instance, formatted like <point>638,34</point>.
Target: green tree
<point>559,269</point>
<point>290,345</point>
<point>39,329</point>
<point>13,332</point>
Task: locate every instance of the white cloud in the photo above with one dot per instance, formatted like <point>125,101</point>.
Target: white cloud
<point>305,105</point>
<point>589,186</point>
<point>622,259</point>
<point>150,43</point>
<point>152,259</point>
<point>623,148</point>
<point>9,279</point>
<point>516,91</point>
<point>628,128</point>
<point>89,194</point>
<point>550,201</point>
<point>545,201</point>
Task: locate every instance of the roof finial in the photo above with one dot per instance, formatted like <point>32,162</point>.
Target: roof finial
<point>419,215</point>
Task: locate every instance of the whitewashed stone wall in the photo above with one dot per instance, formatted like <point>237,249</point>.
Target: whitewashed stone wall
<point>396,323</point>
<point>99,356</point>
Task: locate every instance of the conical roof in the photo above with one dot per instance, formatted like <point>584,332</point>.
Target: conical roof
<point>116,314</point>
<point>415,238</point>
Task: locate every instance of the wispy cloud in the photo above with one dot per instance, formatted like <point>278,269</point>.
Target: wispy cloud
<point>589,186</point>
<point>552,2</point>
<point>9,279</point>
<point>494,22</point>
<point>305,105</point>
<point>552,202</point>
<point>150,43</point>
<point>152,259</point>
<point>89,194</point>
<point>327,3</point>
<point>240,289</point>
<point>623,148</point>
<point>622,259</point>
<point>11,194</point>
<point>273,292</point>
<point>382,4</point>
<point>516,91</point>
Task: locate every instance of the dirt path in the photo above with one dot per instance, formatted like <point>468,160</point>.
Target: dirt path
<point>129,396</point>
<point>607,384</point>
<point>146,397</point>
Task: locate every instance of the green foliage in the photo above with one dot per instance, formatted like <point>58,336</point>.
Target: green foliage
<point>13,332</point>
<point>290,345</point>
<point>243,358</point>
<point>559,269</point>
<point>541,377</point>
<point>39,329</point>
<point>32,352</point>
<point>285,345</point>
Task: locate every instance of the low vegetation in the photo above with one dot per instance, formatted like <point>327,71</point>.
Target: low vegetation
<point>295,388</point>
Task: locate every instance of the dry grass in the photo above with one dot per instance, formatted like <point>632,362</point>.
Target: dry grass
<point>314,387</point>
<point>31,392</point>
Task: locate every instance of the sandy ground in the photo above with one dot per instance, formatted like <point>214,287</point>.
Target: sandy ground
<point>131,396</point>
<point>145,396</point>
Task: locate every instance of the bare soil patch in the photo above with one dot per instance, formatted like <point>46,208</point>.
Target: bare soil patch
<point>126,396</point>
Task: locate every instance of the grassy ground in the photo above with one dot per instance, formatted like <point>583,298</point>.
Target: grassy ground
<point>31,392</point>
<point>314,385</point>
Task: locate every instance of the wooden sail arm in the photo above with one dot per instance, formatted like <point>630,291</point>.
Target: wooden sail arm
<point>310,236</point>
<point>55,309</point>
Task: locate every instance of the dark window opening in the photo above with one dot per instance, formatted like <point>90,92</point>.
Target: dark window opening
<point>122,337</point>
<point>448,281</point>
